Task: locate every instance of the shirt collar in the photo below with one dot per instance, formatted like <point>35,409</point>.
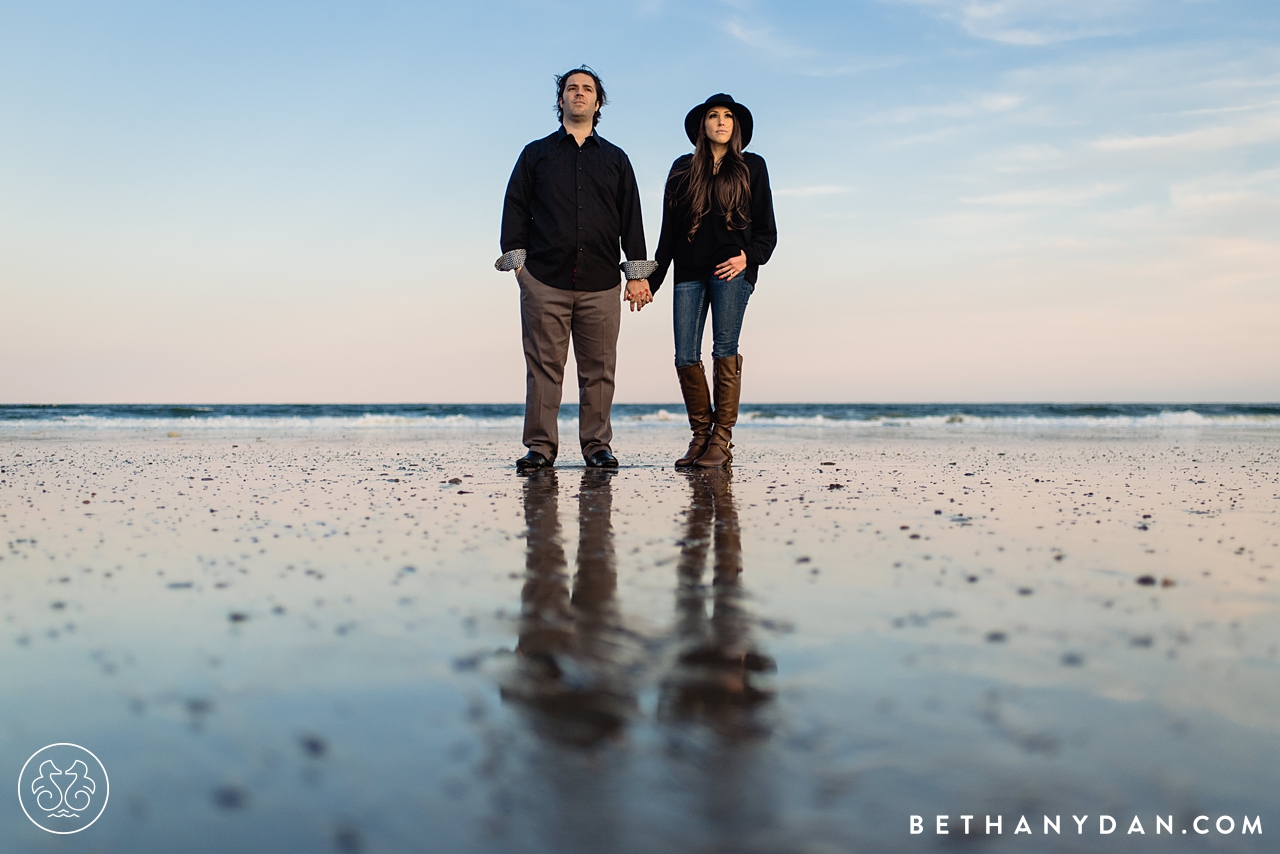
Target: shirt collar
<point>562,133</point>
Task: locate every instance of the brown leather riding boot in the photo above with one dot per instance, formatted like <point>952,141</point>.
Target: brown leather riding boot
<point>697,402</point>
<point>728,388</point>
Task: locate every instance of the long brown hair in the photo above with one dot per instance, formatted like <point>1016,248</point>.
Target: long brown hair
<point>731,185</point>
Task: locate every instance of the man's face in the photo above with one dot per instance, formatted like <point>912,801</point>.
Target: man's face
<point>580,100</point>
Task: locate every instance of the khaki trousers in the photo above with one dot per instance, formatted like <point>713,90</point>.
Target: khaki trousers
<point>549,317</point>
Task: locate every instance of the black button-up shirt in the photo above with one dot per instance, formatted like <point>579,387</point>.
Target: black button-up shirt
<point>570,209</point>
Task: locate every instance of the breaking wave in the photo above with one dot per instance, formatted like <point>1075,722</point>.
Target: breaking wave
<point>328,419</point>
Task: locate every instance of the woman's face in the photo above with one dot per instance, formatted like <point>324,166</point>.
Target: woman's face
<point>719,125</point>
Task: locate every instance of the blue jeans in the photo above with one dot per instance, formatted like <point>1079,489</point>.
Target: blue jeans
<point>727,301</point>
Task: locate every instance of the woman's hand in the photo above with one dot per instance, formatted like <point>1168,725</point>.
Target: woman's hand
<point>638,293</point>
<point>733,267</point>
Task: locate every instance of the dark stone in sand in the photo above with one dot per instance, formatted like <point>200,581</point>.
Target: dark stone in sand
<point>996,637</point>
<point>237,617</point>
<point>314,745</point>
<point>199,706</point>
<point>1147,580</point>
<point>1073,659</point>
<point>230,798</point>
<point>467,663</point>
<point>347,840</point>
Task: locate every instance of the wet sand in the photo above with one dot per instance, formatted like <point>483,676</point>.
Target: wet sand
<point>392,643</point>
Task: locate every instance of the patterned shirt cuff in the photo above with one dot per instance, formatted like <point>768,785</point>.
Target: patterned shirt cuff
<point>638,269</point>
<point>509,261</point>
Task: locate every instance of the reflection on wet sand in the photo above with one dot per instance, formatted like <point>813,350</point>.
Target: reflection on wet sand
<point>579,666</point>
<point>570,673</point>
<point>714,676</point>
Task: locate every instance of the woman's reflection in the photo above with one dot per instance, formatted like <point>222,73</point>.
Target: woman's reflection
<point>569,672</point>
<point>716,671</point>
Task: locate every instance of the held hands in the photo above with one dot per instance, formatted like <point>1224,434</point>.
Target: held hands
<point>638,293</point>
<point>732,267</point>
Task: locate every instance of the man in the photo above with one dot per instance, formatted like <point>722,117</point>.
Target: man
<point>571,203</point>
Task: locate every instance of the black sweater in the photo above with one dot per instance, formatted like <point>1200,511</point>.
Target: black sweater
<point>714,243</point>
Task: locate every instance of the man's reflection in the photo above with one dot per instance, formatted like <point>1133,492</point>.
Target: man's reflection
<point>714,679</point>
<point>568,669</point>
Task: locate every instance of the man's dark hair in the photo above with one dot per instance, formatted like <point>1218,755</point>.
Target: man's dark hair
<point>563,79</point>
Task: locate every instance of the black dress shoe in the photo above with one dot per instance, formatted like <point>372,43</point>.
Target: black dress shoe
<point>602,459</point>
<point>533,461</point>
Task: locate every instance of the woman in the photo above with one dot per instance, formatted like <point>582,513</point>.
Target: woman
<point>718,228</point>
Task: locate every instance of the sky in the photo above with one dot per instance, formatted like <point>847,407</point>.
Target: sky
<point>978,200</point>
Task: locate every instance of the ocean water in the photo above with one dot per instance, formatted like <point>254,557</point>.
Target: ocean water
<point>344,418</point>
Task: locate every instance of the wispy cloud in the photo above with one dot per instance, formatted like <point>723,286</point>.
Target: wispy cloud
<point>982,104</point>
<point>1035,22</point>
<point>1240,108</point>
<point>848,68</point>
<point>766,39</point>
<point>939,135</point>
<point>803,192</point>
<point>1032,157</point>
<point>1253,193</point>
<point>1045,197</point>
<point>1268,82</point>
<point>1200,139</point>
<point>763,37</point>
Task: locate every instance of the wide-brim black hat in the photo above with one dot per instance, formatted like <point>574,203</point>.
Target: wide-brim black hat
<point>693,121</point>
